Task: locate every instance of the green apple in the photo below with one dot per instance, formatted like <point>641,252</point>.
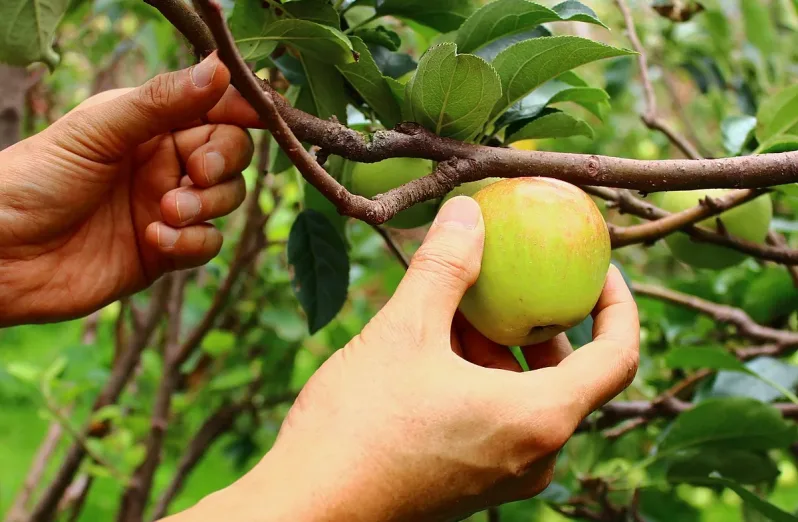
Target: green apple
<point>469,189</point>
<point>371,179</point>
<point>750,221</point>
<point>546,257</point>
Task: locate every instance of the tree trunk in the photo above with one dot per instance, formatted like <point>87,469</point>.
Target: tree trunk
<point>12,103</point>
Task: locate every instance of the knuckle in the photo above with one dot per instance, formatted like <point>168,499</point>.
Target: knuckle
<point>159,92</point>
<point>443,261</point>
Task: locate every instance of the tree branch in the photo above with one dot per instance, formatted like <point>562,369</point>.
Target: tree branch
<point>660,228</point>
<point>395,249</point>
<point>629,204</point>
<point>458,162</point>
<point>777,240</point>
<point>746,326</point>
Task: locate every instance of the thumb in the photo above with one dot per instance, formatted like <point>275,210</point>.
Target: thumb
<point>166,102</point>
<point>441,271</point>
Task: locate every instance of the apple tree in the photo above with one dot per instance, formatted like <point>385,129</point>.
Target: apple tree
<point>679,118</point>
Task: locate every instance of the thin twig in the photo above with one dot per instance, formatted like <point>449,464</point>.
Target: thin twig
<point>779,241</point>
<point>392,245</point>
<point>746,326</point>
<point>651,117</point>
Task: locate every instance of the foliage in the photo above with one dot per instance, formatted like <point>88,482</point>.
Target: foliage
<point>498,72</point>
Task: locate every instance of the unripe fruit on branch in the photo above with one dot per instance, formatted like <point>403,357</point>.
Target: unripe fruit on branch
<point>370,179</point>
<point>547,253</point>
<point>750,221</point>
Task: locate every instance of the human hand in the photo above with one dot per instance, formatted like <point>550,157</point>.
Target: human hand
<point>118,192</point>
<point>417,420</point>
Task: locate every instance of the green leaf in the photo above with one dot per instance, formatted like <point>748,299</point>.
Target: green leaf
<point>218,342</point>
<point>507,17</point>
<point>23,371</point>
<point>743,466</point>
<point>319,11</point>
<point>451,94</point>
<point>554,91</point>
<point>392,65</point>
<point>379,36</point>
<point>368,81</point>
<point>735,422</point>
<point>782,143</point>
<point>758,27</point>
<point>443,15</point>
<point>27,29</point>
<point>736,132</point>
<point>232,379</point>
<point>490,51</point>
<point>320,265</point>
<point>326,87</point>
<point>693,358</point>
<point>778,115</point>
<point>525,66</point>
<point>575,11</point>
<point>552,124</point>
<point>318,41</point>
<point>498,19</point>
<point>763,374</point>
<point>764,507</point>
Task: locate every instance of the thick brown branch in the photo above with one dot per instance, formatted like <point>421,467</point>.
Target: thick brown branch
<point>629,204</point>
<point>461,162</point>
<point>660,228</point>
<point>746,326</point>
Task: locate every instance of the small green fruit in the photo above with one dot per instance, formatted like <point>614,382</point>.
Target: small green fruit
<point>546,257</point>
<point>750,222</point>
<point>371,179</point>
<point>469,189</point>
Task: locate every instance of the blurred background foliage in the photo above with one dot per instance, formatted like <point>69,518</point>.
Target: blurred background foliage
<point>711,72</point>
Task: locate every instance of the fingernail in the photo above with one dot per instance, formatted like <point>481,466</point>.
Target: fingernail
<point>167,236</point>
<point>214,167</point>
<point>461,211</point>
<point>188,205</point>
<point>202,73</point>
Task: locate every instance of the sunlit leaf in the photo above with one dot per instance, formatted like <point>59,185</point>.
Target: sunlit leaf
<point>27,29</point>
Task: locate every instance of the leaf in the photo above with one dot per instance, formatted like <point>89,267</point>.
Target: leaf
<point>783,143</point>
<point>507,17</point>
<point>318,259</point>
<point>368,81</point>
<point>778,115</point>
<point>734,423</point>
<point>757,384</point>
<point>771,295</point>
<point>693,358</point>
<point>743,466</point>
<point>326,87</point>
<point>442,15</point>
<point>736,132</point>
<point>379,36</point>
<point>451,94</point>
<point>23,371</point>
<point>218,342</point>
<point>582,333</point>
<point>392,65</point>
<point>574,11</point>
<point>319,11</point>
<point>553,91</point>
<point>232,379</point>
<point>492,50</point>
<point>318,41</point>
<point>758,28</point>
<point>499,19</point>
<point>762,506</point>
<point>525,66</point>
<point>27,29</point>
<point>552,124</point>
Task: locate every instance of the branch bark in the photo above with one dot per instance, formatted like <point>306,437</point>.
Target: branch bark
<point>458,162</point>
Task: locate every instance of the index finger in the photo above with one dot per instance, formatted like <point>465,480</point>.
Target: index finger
<point>599,371</point>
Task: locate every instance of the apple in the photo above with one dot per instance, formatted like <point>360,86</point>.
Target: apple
<point>750,221</point>
<point>546,257</point>
<point>371,179</point>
